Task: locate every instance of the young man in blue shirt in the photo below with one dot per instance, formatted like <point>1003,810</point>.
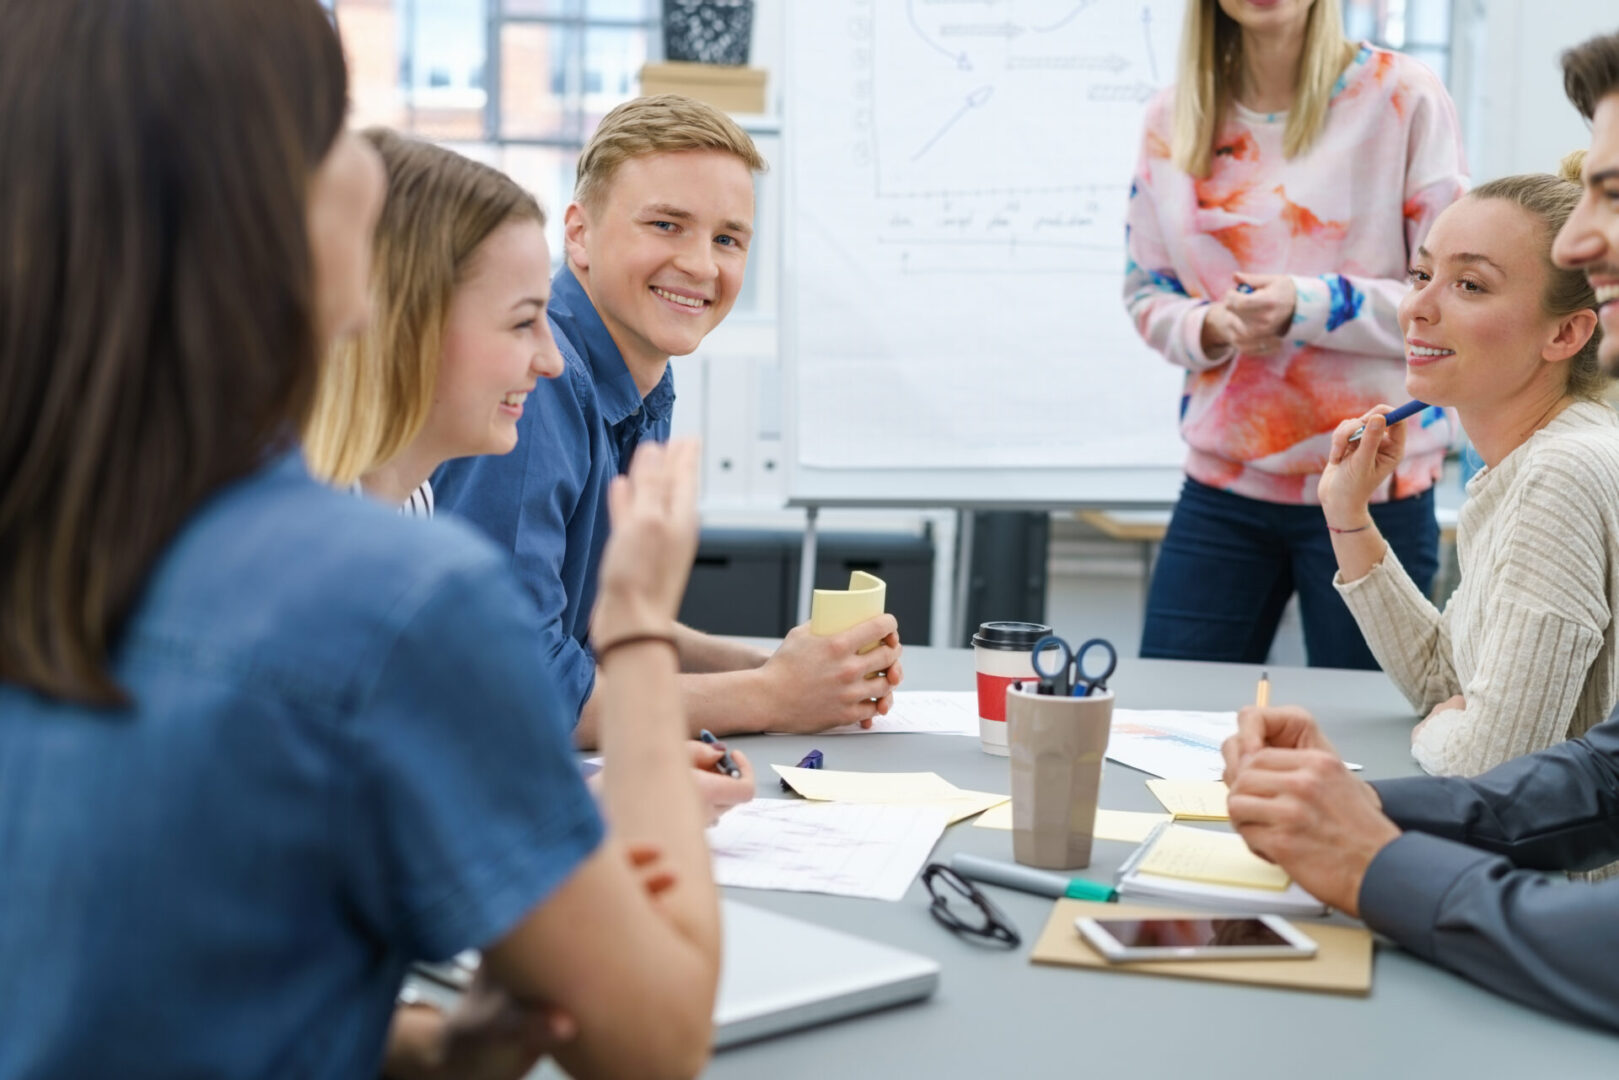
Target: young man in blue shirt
<point>656,242</point>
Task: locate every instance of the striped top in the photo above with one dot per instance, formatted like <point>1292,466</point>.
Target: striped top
<point>1342,219</point>
<point>1528,638</point>
<point>420,503</point>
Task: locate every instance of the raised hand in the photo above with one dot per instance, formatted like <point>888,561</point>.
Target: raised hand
<point>653,511</point>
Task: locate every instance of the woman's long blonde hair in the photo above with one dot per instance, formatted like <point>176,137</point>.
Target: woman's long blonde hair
<point>375,391</point>
<point>1211,65</point>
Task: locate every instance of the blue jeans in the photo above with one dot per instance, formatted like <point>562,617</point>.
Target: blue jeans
<point>1229,564</point>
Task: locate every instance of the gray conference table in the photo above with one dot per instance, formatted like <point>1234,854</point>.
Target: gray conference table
<point>997,1015</point>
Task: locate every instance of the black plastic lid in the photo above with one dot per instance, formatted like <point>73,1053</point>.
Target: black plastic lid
<point>1011,636</point>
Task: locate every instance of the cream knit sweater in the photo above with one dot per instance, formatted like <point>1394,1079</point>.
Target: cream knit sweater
<point>1528,637</point>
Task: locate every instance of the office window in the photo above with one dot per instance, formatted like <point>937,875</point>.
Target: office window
<point>519,84</point>
<point>1418,27</point>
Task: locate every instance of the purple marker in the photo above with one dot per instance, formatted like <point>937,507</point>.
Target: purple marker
<point>1409,409</point>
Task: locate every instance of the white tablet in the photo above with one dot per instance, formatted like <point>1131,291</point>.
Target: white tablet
<point>1261,937</point>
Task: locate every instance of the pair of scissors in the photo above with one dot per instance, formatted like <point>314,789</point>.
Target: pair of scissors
<point>1071,679</point>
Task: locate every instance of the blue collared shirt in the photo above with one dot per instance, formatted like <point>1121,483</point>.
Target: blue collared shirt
<point>546,501</point>
<point>340,757</point>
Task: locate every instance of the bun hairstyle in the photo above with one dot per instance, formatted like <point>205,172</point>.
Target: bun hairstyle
<point>1572,167</point>
<point>1551,199</point>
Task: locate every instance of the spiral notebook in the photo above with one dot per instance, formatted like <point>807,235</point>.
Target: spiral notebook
<point>1211,869</point>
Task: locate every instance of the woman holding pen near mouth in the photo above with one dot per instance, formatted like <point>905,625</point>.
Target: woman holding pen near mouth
<point>1523,655</point>
<point>1283,183</point>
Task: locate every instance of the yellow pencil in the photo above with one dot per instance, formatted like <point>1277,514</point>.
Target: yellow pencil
<point>1262,694</point>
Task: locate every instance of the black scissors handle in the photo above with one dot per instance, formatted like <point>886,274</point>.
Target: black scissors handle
<point>1053,682</point>
<point>1084,681</point>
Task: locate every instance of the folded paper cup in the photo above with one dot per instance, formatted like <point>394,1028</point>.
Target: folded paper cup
<point>1004,653</point>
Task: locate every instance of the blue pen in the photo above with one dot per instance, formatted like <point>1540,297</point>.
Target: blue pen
<point>1409,409</point>
<point>1244,287</point>
<point>726,764</point>
<point>811,760</point>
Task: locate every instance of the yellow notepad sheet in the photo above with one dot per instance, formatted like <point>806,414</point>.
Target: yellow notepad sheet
<point>1128,826</point>
<point>832,611</point>
<point>1215,857</point>
<point>910,789</point>
<point>1192,800</point>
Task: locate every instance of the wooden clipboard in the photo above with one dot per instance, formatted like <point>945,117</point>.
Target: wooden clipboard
<point>1343,964</point>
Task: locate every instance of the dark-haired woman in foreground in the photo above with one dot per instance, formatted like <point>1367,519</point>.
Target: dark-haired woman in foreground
<point>260,748</point>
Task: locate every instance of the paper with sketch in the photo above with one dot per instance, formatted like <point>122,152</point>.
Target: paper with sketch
<point>1192,800</point>
<point>1129,826</point>
<point>923,712</point>
<point>1171,743</point>
<point>832,611</point>
<point>1220,858</point>
<point>843,849</point>
<point>913,789</point>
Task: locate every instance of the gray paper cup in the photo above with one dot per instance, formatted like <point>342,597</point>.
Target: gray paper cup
<point>1057,748</point>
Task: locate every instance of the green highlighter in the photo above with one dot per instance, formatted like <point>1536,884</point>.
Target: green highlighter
<point>1040,882</point>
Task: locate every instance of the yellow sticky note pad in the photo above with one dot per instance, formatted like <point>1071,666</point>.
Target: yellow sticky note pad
<point>1192,800</point>
<point>999,817</point>
<point>831,785</point>
<point>1214,857</point>
<point>1128,826</point>
<point>909,789</point>
<point>832,611</point>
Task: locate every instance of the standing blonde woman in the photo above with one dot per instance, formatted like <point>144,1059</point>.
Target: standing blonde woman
<point>1283,184</point>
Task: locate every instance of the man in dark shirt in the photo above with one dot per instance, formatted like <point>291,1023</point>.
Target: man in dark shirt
<point>1451,868</point>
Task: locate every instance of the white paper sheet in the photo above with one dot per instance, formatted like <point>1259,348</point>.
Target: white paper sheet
<point>921,712</point>
<point>1179,745</point>
<point>844,849</point>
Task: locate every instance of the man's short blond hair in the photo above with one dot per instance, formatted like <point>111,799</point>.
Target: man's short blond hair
<point>659,124</point>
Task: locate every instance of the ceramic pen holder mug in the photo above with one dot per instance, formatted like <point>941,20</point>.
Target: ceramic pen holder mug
<point>1057,748</point>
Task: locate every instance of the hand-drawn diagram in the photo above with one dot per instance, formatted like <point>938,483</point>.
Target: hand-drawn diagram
<point>1004,82</point>
<point>959,182</point>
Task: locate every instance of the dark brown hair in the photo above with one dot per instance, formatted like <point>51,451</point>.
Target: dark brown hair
<point>157,335</point>
<point>1591,73</point>
<point>1550,200</point>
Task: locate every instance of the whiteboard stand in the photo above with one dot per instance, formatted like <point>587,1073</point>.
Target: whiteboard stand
<point>964,579</point>
<point>806,566</point>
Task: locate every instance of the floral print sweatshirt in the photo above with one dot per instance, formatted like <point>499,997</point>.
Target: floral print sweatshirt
<point>1343,220</point>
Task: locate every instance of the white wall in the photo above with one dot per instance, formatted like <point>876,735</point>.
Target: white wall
<point>1508,83</point>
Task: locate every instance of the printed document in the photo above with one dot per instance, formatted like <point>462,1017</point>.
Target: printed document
<point>839,848</point>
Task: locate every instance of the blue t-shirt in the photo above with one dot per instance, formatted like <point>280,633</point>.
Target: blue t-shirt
<point>340,757</point>
<point>546,501</point>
